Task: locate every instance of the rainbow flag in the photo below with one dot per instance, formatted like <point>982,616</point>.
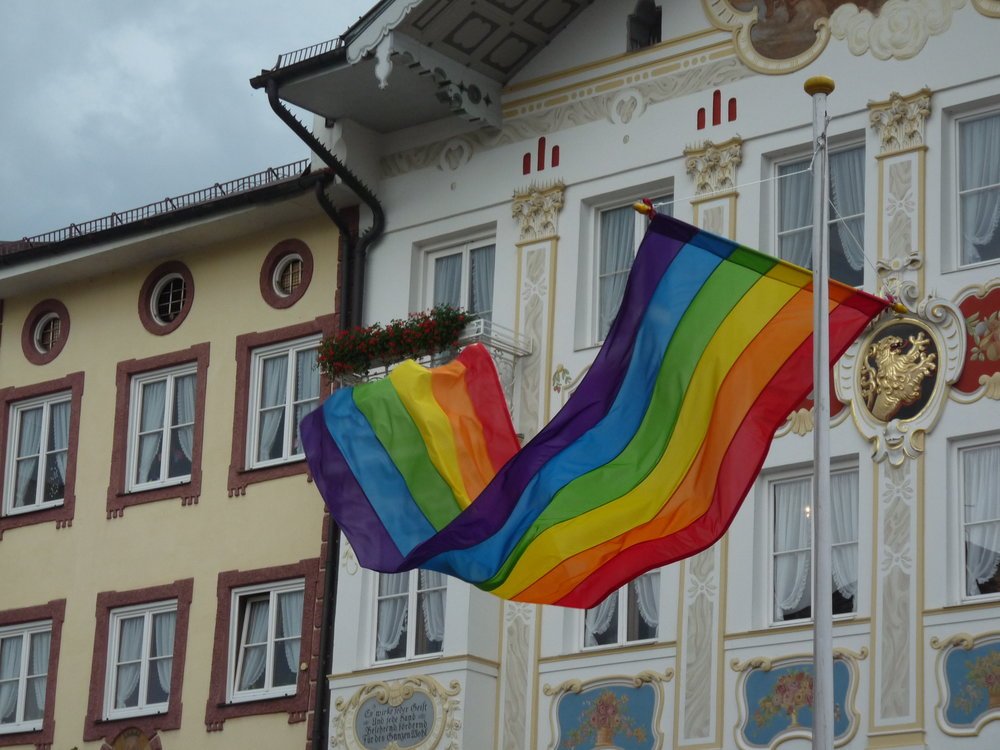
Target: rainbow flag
<point>647,463</point>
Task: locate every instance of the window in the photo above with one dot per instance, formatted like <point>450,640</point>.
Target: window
<point>619,231</point>
<point>262,663</point>
<point>24,665</point>
<point>286,273</point>
<point>45,331</point>
<point>979,188</point>
<point>165,297</point>
<point>847,214</point>
<point>644,25</point>
<point>791,544</point>
<point>628,615</point>
<point>159,423</point>
<point>161,428</point>
<point>285,387</point>
<point>140,660</point>
<point>137,673</point>
<point>37,453</point>
<point>39,436</point>
<point>463,277</point>
<point>48,331</point>
<point>267,637</point>
<point>979,480</point>
<point>168,299</point>
<point>410,609</point>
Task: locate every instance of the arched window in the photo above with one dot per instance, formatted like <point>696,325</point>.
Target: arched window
<point>644,25</point>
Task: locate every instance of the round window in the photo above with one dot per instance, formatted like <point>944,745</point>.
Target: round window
<point>45,331</point>
<point>166,297</point>
<point>286,273</point>
<point>48,332</point>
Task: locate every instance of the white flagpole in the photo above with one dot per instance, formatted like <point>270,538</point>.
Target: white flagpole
<point>818,87</point>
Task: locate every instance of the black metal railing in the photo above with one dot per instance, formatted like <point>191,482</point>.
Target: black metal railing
<point>313,50</point>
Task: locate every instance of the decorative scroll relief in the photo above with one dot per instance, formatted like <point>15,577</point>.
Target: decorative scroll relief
<point>371,37</point>
<point>899,30</point>
<point>536,210</point>
<point>900,222</point>
<point>896,377</point>
<point>774,698</point>
<point>980,307</point>
<point>713,166</point>
<point>899,120</point>
<point>989,8</point>
<point>518,622</point>
<point>416,712</point>
<point>968,678</point>
<point>698,681</point>
<point>608,712</point>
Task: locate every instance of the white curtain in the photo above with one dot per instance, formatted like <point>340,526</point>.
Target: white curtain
<point>847,183</point>
<point>844,502</point>
<point>391,612</point>
<point>184,398</point>
<point>163,639</point>
<point>448,280</point>
<point>59,437</point>
<point>481,262</point>
<point>981,487</point>
<point>306,389</point>
<point>617,250</point>
<point>432,605</point>
<point>647,597</point>
<point>34,705</point>
<point>10,668</point>
<point>290,611</point>
<point>29,444</point>
<point>254,644</point>
<point>153,399</point>
<point>792,546</point>
<point>598,620</point>
<point>129,650</point>
<point>274,372</point>
<point>795,212</point>
<point>980,166</point>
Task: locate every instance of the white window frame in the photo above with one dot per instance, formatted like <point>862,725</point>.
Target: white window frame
<point>641,222</point>
<point>26,630</point>
<point>13,437</point>
<point>791,475</point>
<point>257,357</point>
<point>956,193</point>
<point>958,491</point>
<point>848,145</point>
<point>412,613</point>
<point>622,613</point>
<point>170,375</point>
<point>147,611</point>
<point>465,248</point>
<point>272,590</point>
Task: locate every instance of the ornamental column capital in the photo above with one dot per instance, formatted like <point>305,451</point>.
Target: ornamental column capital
<point>713,166</point>
<point>899,120</point>
<point>536,210</point>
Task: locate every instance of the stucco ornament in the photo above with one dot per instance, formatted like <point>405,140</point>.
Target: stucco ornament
<point>536,210</point>
<point>990,8</point>
<point>713,166</point>
<point>900,30</point>
<point>896,378</point>
<point>899,121</point>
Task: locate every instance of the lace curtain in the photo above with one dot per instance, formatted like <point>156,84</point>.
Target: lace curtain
<point>164,625</point>
<point>59,441</point>
<point>129,654</point>
<point>847,193</point>
<point>647,598</point>
<point>306,390</point>
<point>10,668</point>
<point>254,645</point>
<point>34,705</point>
<point>290,610</point>
<point>795,212</point>
<point>844,512</point>
<point>151,431</point>
<point>980,482</point>
<point>28,448</point>
<point>433,588</point>
<point>448,280</point>
<point>481,262</point>
<point>184,411</point>
<point>979,167</point>
<point>617,250</point>
<point>392,605</point>
<point>598,620</point>
<point>273,389</point>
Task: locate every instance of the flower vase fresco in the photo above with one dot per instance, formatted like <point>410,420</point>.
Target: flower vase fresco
<point>981,310</point>
<point>972,683</point>
<point>779,702</point>
<point>608,716</point>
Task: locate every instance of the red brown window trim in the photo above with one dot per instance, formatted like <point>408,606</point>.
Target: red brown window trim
<point>62,514</point>
<point>239,475</point>
<point>55,611</point>
<point>188,492</point>
<point>218,709</point>
<point>274,258</point>
<point>39,311</point>
<point>150,323</point>
<point>96,727</point>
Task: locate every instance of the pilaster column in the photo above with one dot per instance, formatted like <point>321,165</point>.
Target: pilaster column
<point>698,709</point>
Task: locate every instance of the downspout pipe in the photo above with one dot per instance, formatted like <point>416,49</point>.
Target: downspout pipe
<point>351,309</point>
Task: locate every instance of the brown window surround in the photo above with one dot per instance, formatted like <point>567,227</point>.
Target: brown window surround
<point>146,302</point>
<point>38,312</point>
<point>239,475</point>
<point>96,727</point>
<point>62,514</point>
<point>188,492</point>
<point>278,253</point>
<point>218,709</point>
<point>55,611</point>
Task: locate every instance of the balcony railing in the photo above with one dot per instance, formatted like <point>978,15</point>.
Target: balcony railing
<point>313,50</point>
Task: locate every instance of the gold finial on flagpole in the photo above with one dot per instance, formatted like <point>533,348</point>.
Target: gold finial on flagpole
<point>643,208</point>
<point>819,85</point>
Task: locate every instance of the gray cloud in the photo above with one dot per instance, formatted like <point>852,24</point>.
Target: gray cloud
<point>112,104</point>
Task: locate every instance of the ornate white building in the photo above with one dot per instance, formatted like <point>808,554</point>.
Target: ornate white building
<point>506,141</point>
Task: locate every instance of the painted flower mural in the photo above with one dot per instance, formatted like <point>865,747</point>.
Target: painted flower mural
<point>603,718</point>
<point>610,716</point>
<point>792,692</point>
<point>970,680</point>
<point>982,682</point>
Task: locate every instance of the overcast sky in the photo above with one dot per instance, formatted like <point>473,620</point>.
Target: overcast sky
<point>112,104</point>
